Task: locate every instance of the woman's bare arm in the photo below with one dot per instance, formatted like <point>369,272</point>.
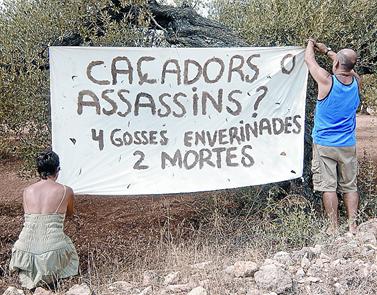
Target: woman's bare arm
<point>70,199</point>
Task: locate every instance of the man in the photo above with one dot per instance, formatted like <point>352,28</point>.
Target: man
<point>334,164</point>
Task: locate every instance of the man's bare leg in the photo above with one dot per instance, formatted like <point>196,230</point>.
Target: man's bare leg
<point>351,201</point>
<point>330,202</point>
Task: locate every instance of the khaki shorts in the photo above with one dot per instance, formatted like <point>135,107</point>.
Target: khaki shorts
<point>334,168</point>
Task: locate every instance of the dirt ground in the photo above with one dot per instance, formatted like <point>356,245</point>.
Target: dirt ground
<point>103,222</point>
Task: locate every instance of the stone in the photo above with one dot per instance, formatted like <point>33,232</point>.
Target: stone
<point>324,257</point>
<point>229,270</point>
<point>315,270</point>
<point>283,258</point>
<point>339,289</point>
<point>370,226</point>
<point>150,277</point>
<point>120,287</point>
<point>273,278</point>
<point>338,262</point>
<point>13,291</point>
<point>172,278</point>
<point>348,250</point>
<point>179,287</point>
<point>41,291</point>
<point>253,292</point>
<point>82,289</point>
<point>245,269</point>
<point>309,280</point>
<point>316,250</point>
<point>201,265</point>
<point>148,290</point>
<point>272,261</point>
<point>366,238</point>
<point>305,262</point>
<point>300,273</point>
<point>205,283</point>
<point>198,291</point>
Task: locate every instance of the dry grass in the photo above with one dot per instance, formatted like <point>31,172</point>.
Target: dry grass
<point>247,224</point>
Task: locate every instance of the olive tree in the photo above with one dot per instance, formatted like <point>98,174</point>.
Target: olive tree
<point>27,29</point>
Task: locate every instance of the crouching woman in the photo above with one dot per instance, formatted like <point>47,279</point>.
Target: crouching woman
<point>43,253</point>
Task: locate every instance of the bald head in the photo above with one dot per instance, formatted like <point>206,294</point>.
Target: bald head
<point>347,59</point>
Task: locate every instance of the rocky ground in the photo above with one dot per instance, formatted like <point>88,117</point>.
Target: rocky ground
<point>346,265</point>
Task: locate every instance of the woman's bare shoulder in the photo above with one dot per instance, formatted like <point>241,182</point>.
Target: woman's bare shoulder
<point>51,187</point>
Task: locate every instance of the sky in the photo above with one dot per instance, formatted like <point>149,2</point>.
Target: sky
<point>202,11</point>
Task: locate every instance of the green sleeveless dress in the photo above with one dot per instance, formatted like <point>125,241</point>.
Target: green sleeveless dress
<point>43,253</point>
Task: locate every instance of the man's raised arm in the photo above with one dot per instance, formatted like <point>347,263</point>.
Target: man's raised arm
<point>320,75</point>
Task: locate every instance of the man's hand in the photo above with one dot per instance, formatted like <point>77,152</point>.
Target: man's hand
<point>320,75</point>
<point>311,42</point>
<point>322,48</point>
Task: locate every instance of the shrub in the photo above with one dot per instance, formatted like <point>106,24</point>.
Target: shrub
<point>369,93</point>
<point>27,28</point>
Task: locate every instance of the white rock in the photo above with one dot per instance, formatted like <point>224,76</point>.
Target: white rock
<point>366,238</point>
<point>198,291</point>
<point>283,258</point>
<point>324,257</point>
<point>337,262</point>
<point>201,265</point>
<point>370,247</point>
<point>317,249</point>
<point>310,280</point>
<point>41,291</point>
<point>13,291</point>
<point>148,290</point>
<point>230,269</point>
<point>120,286</point>
<point>172,278</point>
<point>253,292</point>
<point>150,277</point>
<point>339,289</point>
<point>300,273</point>
<point>348,250</point>
<point>204,283</point>
<point>179,287</point>
<point>315,270</point>
<point>373,267</point>
<point>369,226</point>
<point>272,261</point>
<point>82,289</point>
<point>245,268</point>
<point>273,278</point>
<point>305,262</point>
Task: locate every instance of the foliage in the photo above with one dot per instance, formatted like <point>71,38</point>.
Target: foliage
<point>367,185</point>
<point>369,92</point>
<point>338,23</point>
<point>27,28</point>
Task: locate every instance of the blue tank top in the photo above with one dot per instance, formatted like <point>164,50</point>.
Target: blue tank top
<point>335,115</point>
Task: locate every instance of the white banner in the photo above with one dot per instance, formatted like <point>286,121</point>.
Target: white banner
<point>129,121</point>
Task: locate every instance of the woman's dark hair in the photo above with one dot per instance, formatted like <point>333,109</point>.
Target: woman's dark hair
<point>47,164</point>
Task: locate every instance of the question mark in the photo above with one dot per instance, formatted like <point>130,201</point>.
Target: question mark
<point>259,98</point>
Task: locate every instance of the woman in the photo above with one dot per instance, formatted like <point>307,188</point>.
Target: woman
<point>43,253</point>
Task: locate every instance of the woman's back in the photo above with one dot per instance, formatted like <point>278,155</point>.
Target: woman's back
<point>46,197</point>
